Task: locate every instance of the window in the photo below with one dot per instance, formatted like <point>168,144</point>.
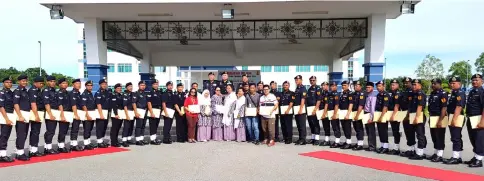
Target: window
<point>110,87</point>
<point>160,69</point>
<point>321,68</point>
<point>110,67</point>
<point>85,70</point>
<point>266,68</point>
<point>178,73</point>
<point>163,88</point>
<point>245,67</point>
<point>281,68</point>
<point>279,88</point>
<point>84,54</point>
<point>303,68</point>
<point>124,67</point>
<point>139,67</point>
<point>178,81</point>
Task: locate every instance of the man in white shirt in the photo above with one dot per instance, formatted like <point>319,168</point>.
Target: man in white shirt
<point>268,106</point>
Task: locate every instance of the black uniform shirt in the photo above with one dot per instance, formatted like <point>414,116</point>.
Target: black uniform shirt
<point>394,99</point>
<point>457,98</point>
<point>180,98</point>
<point>88,100</point>
<point>49,95</point>
<point>6,100</point>
<point>314,92</point>
<point>35,95</point>
<point>103,97</point>
<point>155,98</point>
<point>475,100</point>
<point>117,102</point>
<point>64,100</point>
<point>406,99</point>
<point>382,100</point>
<point>169,99</point>
<point>128,100</point>
<point>358,100</point>
<point>323,97</point>
<point>285,98</point>
<point>75,97</point>
<point>141,99</point>
<point>345,99</point>
<point>21,97</point>
<point>333,100</point>
<point>437,101</point>
<point>223,86</point>
<point>210,86</point>
<point>300,93</point>
<point>418,99</point>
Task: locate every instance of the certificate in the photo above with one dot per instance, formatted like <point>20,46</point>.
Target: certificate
<point>310,110</point>
<point>388,115</point>
<point>319,114</point>
<point>401,115</point>
<point>11,117</point>
<point>296,110</point>
<point>474,120</point>
<point>93,114</point>
<point>130,115</point>
<point>377,115</point>
<point>69,116</point>
<point>342,114</point>
<point>434,119</point>
<point>56,114</point>
<point>459,122</point>
<point>221,109</point>
<point>25,114</point>
<point>141,112</point>
<point>82,114</point>
<point>330,114</point>
<point>266,111</point>
<point>156,112</point>
<point>250,111</point>
<point>105,114</point>
<point>284,109</point>
<point>365,118</point>
<point>170,112</point>
<point>121,114</point>
<point>412,117</point>
<point>41,116</point>
<point>194,108</point>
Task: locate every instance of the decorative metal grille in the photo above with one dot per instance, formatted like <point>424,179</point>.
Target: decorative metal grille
<point>236,30</point>
<point>355,44</point>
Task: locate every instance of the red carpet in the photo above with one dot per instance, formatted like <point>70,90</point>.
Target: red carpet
<point>402,168</point>
<point>64,156</point>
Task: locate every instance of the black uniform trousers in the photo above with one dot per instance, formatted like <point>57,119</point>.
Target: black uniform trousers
<point>286,125</point>
<point>395,131</point>
<point>22,130</point>
<point>336,129</point>
<point>50,126</point>
<point>34,133</point>
<point>181,127</point>
<point>154,123</point>
<point>327,127</point>
<point>360,131</point>
<point>63,130</point>
<point>476,136</point>
<point>420,131</point>
<point>128,128</point>
<point>456,137</point>
<point>101,126</point>
<point>314,125</point>
<point>346,125</point>
<point>88,125</point>
<point>140,127</point>
<point>167,123</point>
<point>301,126</point>
<point>115,127</point>
<point>371,133</point>
<point>75,129</point>
<point>382,132</point>
<point>4,136</point>
<point>409,132</point>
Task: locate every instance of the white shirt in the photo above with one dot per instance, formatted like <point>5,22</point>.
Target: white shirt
<point>268,101</point>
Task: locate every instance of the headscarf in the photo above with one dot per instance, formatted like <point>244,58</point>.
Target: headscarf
<point>204,100</point>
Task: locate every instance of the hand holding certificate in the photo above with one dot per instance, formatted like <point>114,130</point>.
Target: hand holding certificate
<point>267,111</point>
<point>23,117</point>
<point>458,122</point>
<point>297,110</point>
<point>41,116</point>
<point>169,113</point>
<point>311,111</point>
<point>284,110</point>
<point>251,111</point>
<point>434,122</point>
<point>194,108</point>
<point>475,121</point>
<point>11,118</point>
<point>401,115</point>
<point>414,119</point>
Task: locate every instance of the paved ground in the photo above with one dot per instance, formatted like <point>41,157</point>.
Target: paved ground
<point>219,161</point>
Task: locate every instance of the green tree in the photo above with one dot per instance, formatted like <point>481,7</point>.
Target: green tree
<point>10,72</point>
<point>430,68</point>
<point>480,63</point>
<point>34,72</point>
<point>461,69</point>
<point>58,76</point>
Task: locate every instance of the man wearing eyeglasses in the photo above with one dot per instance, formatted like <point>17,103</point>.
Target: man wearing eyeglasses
<point>313,100</point>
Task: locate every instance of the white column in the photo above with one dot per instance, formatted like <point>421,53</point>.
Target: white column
<point>374,48</point>
<point>96,48</point>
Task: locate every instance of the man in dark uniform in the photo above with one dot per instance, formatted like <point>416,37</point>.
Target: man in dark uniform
<point>276,93</point>
<point>457,102</point>
<point>333,103</point>
<point>417,106</point>
<point>89,106</point>
<point>474,107</point>
<point>322,104</point>
<point>211,84</point>
<point>245,80</point>
<point>345,105</point>
<point>181,121</point>
<point>128,122</point>
<point>382,103</point>
<point>75,97</point>
<point>21,104</point>
<point>409,130</point>
<point>38,109</point>
<point>6,109</point>
<point>438,110</point>
<point>359,99</point>
<point>140,104</point>
<point>260,88</point>
<point>103,100</point>
<point>154,110</point>
<point>65,108</point>
<point>168,99</point>
<point>396,99</point>
<point>223,84</point>
<point>300,94</point>
<point>50,102</point>
<point>117,111</point>
<point>312,101</point>
<point>286,98</point>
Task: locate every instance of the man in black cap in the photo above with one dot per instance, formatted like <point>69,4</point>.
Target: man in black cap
<point>211,84</point>
<point>79,114</point>
<point>396,98</point>
<point>333,103</point>
<point>117,113</point>
<point>323,105</point>
<point>103,98</point>
<point>359,99</point>
<point>312,101</point>
<point>89,106</point>
<point>37,115</point>
<point>276,93</point>
<point>154,110</point>
<point>344,111</point>
<point>22,108</point>
<point>140,104</point>
<point>168,99</point>
<point>245,80</point>
<point>409,130</point>
<point>223,84</point>
<point>417,107</point>
<point>457,102</point>
<point>370,103</point>
<point>7,115</point>
<point>246,87</point>
<point>474,108</point>
<point>65,109</point>
<point>437,111</point>
<point>260,88</point>
<point>181,122</point>
<point>286,98</point>
<point>50,102</point>
<point>300,109</point>
<point>382,103</point>
<point>129,121</point>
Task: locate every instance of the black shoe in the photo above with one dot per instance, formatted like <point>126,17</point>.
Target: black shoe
<point>64,150</point>
<point>102,145</point>
<point>287,142</point>
<point>382,150</point>
<point>89,147</point>
<point>301,142</point>
<point>453,161</point>
<point>167,142</point>
<point>277,140</point>
<point>394,152</point>
<point>140,143</point>
<point>316,143</point>
<point>358,148</point>
<point>22,157</point>
<point>417,157</point>
<point>145,142</point>
<point>117,145</point>
<point>311,141</point>
<point>131,142</point>
<point>6,159</point>
<point>258,143</point>
<point>346,147</point>
<point>125,144</point>
<point>370,149</point>
<point>470,161</point>
<point>325,143</point>
<point>431,157</point>
<point>50,152</point>
<point>155,142</point>
<point>335,145</point>
<point>36,154</point>
<point>282,141</point>
<point>476,164</point>
<point>77,148</point>
<point>437,159</point>
<point>408,153</point>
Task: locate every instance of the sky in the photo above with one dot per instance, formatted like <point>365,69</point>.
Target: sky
<point>451,30</point>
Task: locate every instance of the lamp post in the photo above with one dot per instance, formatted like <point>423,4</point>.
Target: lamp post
<point>40,58</point>
<point>467,74</point>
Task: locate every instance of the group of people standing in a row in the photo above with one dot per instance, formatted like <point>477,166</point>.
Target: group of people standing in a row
<point>223,112</point>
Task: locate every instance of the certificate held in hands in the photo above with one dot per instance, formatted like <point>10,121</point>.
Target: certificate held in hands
<point>330,114</point>
<point>11,117</point>
<point>296,110</point>
<point>194,108</point>
<point>365,118</point>
<point>25,115</point>
<point>474,120</point>
<point>412,117</point>
<point>156,112</point>
<point>266,111</point>
<point>284,109</point>
<point>41,116</point>
<point>459,122</point>
<point>435,119</point>
<point>401,115</point>
<point>251,111</point>
<point>170,112</point>
<point>319,114</point>
<point>310,110</point>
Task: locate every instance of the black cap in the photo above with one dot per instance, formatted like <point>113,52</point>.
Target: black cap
<point>128,84</point>
<point>117,85</point>
<point>21,77</point>
<point>39,79</point>
<point>312,77</point>
<point>356,83</point>
<point>155,81</point>
<point>61,80</point>
<point>6,78</point>
<point>394,81</point>
<point>211,73</point>
<point>141,82</point>
<point>244,83</point>
<point>286,82</point>
<point>102,81</point>
<point>370,84</point>
<point>333,83</point>
<point>407,79</point>
<point>344,82</point>
<point>379,82</point>
<point>260,82</point>
<point>436,81</point>
<point>88,82</point>
<point>477,76</point>
<point>50,78</point>
<point>298,77</point>
<point>244,75</point>
<point>179,84</point>
<point>169,83</point>
<point>454,79</point>
<point>76,80</point>
<point>224,72</point>
<point>325,83</point>
<point>273,82</point>
<point>415,81</point>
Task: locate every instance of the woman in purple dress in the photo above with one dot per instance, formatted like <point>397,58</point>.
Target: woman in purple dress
<point>228,118</point>
<point>217,115</point>
<point>239,114</point>
<point>205,117</point>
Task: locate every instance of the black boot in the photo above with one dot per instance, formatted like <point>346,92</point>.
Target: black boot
<point>453,161</point>
<point>476,164</point>
<point>22,157</point>
<point>125,144</point>
<point>6,159</point>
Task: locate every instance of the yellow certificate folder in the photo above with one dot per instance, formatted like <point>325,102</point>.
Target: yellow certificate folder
<point>474,121</point>
<point>412,116</point>
<point>459,122</point>
<point>435,119</point>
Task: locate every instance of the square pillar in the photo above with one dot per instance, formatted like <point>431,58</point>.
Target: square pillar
<point>336,77</point>
<point>373,72</point>
<point>374,48</point>
<point>96,51</point>
<point>145,72</point>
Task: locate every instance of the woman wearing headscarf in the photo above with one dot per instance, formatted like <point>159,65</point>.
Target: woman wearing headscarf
<point>217,115</point>
<point>204,118</point>
<point>228,119</point>
<point>239,114</point>
<point>192,115</point>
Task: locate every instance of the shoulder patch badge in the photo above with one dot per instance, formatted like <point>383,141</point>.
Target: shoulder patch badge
<point>350,98</point>
<point>336,97</point>
<point>396,96</point>
<point>304,94</point>
<point>386,98</point>
<point>361,97</point>
<point>458,98</point>
<point>326,98</point>
<point>319,93</point>
<point>443,100</point>
<point>419,97</point>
